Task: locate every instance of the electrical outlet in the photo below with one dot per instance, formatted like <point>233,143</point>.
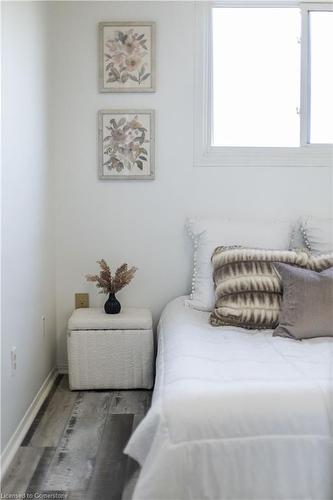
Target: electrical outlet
<point>43,326</point>
<point>81,300</point>
<point>13,362</point>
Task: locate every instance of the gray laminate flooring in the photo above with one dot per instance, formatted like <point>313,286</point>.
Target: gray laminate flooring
<point>74,448</point>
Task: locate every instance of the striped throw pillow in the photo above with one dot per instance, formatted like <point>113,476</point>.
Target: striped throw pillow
<point>248,291</point>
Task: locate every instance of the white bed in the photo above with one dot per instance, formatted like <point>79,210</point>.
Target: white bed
<point>236,415</point>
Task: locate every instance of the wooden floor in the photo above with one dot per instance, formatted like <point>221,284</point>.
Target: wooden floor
<point>74,448</point>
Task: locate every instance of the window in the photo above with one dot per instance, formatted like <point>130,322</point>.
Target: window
<point>264,79</point>
<point>256,77</point>
<point>321,63</point>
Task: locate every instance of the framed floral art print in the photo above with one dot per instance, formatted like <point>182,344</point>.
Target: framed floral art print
<point>126,144</point>
<point>127,57</point>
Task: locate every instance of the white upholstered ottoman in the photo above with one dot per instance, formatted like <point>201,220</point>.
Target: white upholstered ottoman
<point>110,351</point>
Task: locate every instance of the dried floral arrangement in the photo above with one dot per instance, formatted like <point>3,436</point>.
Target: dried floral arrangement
<point>112,284</point>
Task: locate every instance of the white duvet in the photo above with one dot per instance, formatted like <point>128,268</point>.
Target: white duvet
<point>236,415</point>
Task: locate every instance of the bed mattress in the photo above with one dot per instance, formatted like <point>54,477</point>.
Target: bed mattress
<point>236,414</point>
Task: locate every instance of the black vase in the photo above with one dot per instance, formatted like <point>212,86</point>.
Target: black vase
<point>112,305</point>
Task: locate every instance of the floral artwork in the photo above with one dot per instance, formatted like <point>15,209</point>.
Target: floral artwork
<point>126,144</point>
<point>126,57</point>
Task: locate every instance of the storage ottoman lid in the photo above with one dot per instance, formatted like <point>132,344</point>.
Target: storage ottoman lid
<point>96,319</point>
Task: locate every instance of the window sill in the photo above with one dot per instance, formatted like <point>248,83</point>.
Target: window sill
<point>305,156</point>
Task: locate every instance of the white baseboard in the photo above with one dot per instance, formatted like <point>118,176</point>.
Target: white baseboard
<point>63,369</point>
<point>23,427</point>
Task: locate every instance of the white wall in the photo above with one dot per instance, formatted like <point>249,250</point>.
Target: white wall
<point>142,222</point>
<point>28,281</point>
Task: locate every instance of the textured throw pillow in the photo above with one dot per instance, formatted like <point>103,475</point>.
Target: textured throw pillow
<point>307,305</point>
<point>247,289</point>
<point>209,232</point>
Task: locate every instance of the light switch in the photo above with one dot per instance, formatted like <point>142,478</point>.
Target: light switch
<point>81,300</point>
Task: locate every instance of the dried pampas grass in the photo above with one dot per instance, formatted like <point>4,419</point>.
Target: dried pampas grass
<point>112,284</point>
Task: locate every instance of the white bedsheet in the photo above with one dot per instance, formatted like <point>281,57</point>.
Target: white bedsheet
<point>236,415</point>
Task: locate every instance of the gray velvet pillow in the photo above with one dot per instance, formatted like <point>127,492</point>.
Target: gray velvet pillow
<point>307,305</point>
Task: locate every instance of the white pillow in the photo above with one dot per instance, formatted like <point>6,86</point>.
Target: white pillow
<point>209,233</point>
<point>317,234</point>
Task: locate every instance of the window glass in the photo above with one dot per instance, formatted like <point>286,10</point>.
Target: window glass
<point>321,63</point>
<point>256,77</point>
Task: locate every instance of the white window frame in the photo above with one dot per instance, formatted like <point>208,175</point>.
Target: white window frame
<point>206,155</point>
